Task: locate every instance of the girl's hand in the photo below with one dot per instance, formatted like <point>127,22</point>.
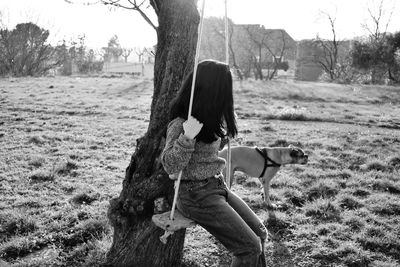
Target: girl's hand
<point>192,127</point>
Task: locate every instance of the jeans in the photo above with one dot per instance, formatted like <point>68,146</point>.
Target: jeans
<point>227,217</point>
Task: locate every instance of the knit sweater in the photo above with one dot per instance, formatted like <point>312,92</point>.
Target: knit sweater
<point>196,159</point>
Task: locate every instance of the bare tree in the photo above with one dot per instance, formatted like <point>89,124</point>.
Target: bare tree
<point>140,52</point>
<point>380,17</point>
<point>328,58</point>
<point>150,54</point>
<point>135,6</point>
<point>212,45</point>
<point>255,48</point>
<point>1,20</point>
<point>266,48</point>
<point>126,52</point>
<point>276,48</point>
<point>232,56</point>
<point>136,239</point>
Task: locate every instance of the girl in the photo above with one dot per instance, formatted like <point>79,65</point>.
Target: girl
<point>192,146</point>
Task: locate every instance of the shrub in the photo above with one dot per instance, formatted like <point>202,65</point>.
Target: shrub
<point>22,59</point>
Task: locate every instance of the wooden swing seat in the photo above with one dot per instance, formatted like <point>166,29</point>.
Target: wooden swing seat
<point>163,220</point>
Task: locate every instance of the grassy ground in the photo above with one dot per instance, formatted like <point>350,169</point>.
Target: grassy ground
<point>65,143</point>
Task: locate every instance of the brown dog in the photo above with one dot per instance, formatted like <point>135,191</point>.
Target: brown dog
<point>263,163</point>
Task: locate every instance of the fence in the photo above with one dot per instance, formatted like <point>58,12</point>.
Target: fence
<point>146,70</point>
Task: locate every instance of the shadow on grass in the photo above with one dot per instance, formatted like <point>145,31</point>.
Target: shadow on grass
<point>279,229</point>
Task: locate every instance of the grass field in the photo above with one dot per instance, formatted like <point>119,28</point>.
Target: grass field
<point>65,143</point>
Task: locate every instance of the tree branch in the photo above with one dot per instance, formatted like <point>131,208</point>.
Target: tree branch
<point>133,6</point>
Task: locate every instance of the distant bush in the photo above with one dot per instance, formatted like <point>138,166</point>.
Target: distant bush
<point>25,51</point>
<point>379,57</point>
<point>284,65</point>
<point>76,55</point>
<point>295,114</point>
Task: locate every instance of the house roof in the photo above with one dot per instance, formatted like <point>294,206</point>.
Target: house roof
<point>273,33</point>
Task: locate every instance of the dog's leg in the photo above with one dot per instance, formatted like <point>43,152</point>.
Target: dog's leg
<point>266,181</point>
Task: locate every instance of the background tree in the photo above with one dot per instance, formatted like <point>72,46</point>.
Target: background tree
<point>63,54</point>
<point>136,239</point>
<point>213,42</point>
<point>2,26</point>
<point>371,54</point>
<point>140,52</point>
<point>213,45</point>
<point>75,55</point>
<point>393,59</point>
<point>328,58</point>
<point>126,52</point>
<point>382,58</point>
<point>266,49</point>
<point>255,48</point>
<point>113,51</point>
<point>276,45</point>
<point>26,51</point>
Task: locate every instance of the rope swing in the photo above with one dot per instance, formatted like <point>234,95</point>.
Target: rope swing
<point>173,220</point>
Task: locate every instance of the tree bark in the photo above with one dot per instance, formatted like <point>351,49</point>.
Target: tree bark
<point>136,239</point>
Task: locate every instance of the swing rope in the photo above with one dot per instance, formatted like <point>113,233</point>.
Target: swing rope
<point>228,158</point>
<point>176,220</point>
<point>196,61</point>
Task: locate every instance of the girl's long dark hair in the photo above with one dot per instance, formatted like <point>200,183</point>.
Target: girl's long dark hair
<point>212,101</point>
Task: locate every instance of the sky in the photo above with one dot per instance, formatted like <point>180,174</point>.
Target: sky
<point>302,19</point>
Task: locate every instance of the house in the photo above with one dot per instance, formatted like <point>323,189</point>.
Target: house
<point>273,41</point>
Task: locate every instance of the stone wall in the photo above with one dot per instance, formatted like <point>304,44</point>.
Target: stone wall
<point>306,68</point>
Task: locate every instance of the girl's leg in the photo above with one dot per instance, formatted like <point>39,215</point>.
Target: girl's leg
<point>251,219</point>
<point>210,209</point>
<point>247,214</point>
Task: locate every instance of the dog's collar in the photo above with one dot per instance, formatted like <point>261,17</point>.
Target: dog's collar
<point>264,153</point>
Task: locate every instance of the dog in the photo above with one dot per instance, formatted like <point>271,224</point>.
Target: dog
<point>263,163</point>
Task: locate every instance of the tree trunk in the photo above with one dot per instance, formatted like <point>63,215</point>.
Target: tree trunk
<point>136,239</point>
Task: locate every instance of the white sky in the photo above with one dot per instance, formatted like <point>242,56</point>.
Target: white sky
<point>300,18</point>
